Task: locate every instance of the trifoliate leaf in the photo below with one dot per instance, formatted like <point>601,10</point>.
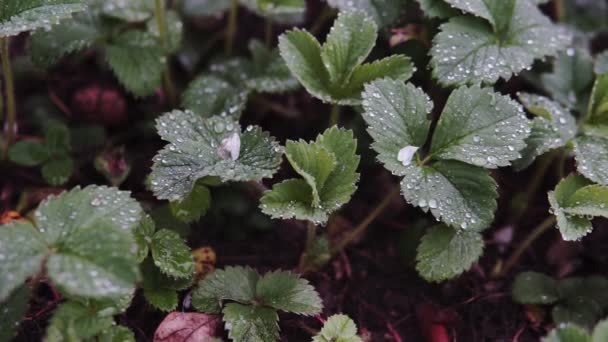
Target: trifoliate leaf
<point>269,73</point>
<point>28,153</point>
<point>18,16</point>
<point>480,127</point>
<point>209,147</point>
<point>210,95</point>
<point>281,11</point>
<point>137,61</point>
<point>73,321</point>
<point>553,127</point>
<point>574,202</point>
<point>437,9</point>
<point>535,288</point>
<point>130,11</point>
<point>598,103</point>
<point>571,79</point>
<point>58,170</point>
<point>143,234</point>
<point>333,72</point>
<point>384,12</point>
<point>591,154</point>
<point>601,63</point>
<point>90,231</point>
<point>329,167</point>
<point>470,50</point>
<point>288,292</point>
<point>338,328</point>
<point>193,206</point>
<point>171,254</point>
<point>461,195</point>
<point>444,252</point>
<point>22,250</point>
<point>397,117</point>
<point>48,47</point>
<point>14,309</point>
<point>567,333</point>
<point>247,323</point>
<point>233,283</point>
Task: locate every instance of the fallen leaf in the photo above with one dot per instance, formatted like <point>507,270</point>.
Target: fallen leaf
<point>187,327</point>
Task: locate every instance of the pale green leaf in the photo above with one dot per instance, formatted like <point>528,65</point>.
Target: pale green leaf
<point>571,79</point>
<point>535,288</point>
<point>339,328</point>
<point>600,332</point>
<point>601,63</point>
<point>175,28</point>
<point>251,323</point>
<point>28,153</point>
<point>210,95</point>
<point>14,309</point>
<point>590,200</point>
<point>471,50</point>
<point>22,250</point>
<point>280,11</point>
<point>480,127</point>
<point>461,195</point>
<point>73,321</point>
<point>58,171</point>
<point>568,333</point>
<point>553,127</point>
<point>572,227</point>
<point>18,16</point>
<point>209,147</point>
<point>232,283</point>
<point>591,154</point>
<point>116,333</point>
<point>171,254</point>
<point>195,205</point>
<point>384,12</point>
<point>598,103</point>
<point>288,292</point>
<point>437,9</point>
<point>143,233</point>
<point>396,67</point>
<point>131,11</point>
<point>297,199</point>
<point>397,117</point>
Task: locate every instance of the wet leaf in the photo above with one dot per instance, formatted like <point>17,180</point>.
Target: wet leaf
<point>18,16</point>
<point>338,328</point>
<point>171,254</point>
<point>251,323</point>
<point>535,288</point>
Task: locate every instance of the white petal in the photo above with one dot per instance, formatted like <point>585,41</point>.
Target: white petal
<point>405,154</point>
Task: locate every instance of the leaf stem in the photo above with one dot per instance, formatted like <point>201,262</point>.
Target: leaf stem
<point>311,233</point>
<point>11,107</point>
<point>360,229</point>
<point>161,22</point>
<point>334,116</point>
<point>268,32</point>
<point>534,234</point>
<point>231,29</point>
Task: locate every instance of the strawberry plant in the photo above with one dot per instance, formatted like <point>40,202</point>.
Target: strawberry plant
<point>244,170</point>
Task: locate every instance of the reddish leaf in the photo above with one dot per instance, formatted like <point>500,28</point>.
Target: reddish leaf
<point>186,327</point>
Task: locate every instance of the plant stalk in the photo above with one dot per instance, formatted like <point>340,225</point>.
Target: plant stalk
<point>9,88</point>
<point>334,116</point>
<point>161,22</point>
<point>362,227</point>
<point>231,29</point>
<point>534,234</point>
<point>311,233</point>
<point>268,33</point>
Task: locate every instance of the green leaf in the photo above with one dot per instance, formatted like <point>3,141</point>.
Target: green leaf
<point>137,62</point>
<point>470,50</point>
<point>251,323</point>
<point>600,332</point>
<point>552,128</point>
<point>480,127</point>
<point>209,147</point>
<point>567,333</point>
<point>175,28</point>
<point>143,234</point>
<point>461,195</point>
<point>571,79</point>
<point>445,253</point>
<point>48,47</point>
<point>28,153</point>
<point>210,95</point>
<point>90,231</point>
<point>74,321</point>
<point>22,250</point>
<point>338,328</point>
<point>280,11</point>
<point>437,9</point>
<point>288,292</point>
<point>571,226</point>
<point>333,72</point>
<point>588,16</point>
<point>116,333</point>
<point>159,289</point>
<point>171,254</point>
<point>397,118</point>
<point>601,63</point>
<point>384,12</point>
<point>591,154</point>
<point>130,11</point>
<point>598,103</point>
<point>201,8</point>
<point>14,309</point>
<point>57,138</point>
<point>535,288</point>
<point>193,206</point>
<point>233,283</point>
<point>18,16</point>
<point>580,311</point>
<point>325,187</point>
<point>58,171</point>
<point>269,73</point>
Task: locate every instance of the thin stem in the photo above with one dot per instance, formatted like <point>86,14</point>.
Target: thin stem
<point>268,33</point>
<point>11,107</point>
<point>534,234</point>
<point>311,233</point>
<point>231,29</point>
<point>334,116</point>
<point>161,22</point>
<point>559,10</point>
<point>360,229</point>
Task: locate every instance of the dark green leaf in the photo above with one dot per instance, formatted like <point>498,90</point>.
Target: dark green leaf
<point>28,153</point>
<point>535,288</point>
